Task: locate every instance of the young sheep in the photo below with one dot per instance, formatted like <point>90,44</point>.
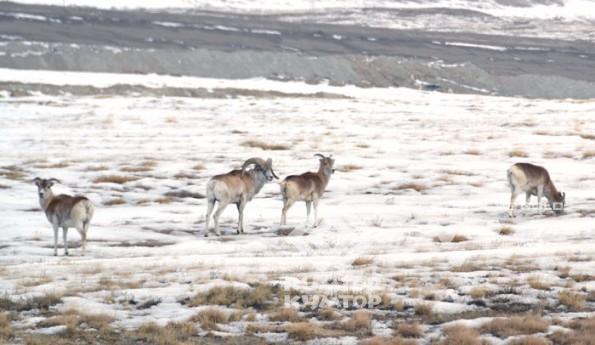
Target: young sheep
<point>64,211</point>
<point>237,187</point>
<point>308,187</point>
<point>533,180</point>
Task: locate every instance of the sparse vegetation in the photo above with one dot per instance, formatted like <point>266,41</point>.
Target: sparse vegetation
<point>409,330</point>
<point>506,327</point>
<point>117,179</point>
<point>348,167</point>
<point>210,317</point>
<point>571,300</point>
<point>285,314</point>
<point>360,320</point>
<point>460,335</point>
<point>388,341</point>
<point>258,297</point>
<point>505,231</point>
<point>424,310</point>
<point>361,261</point>
<point>536,283</point>
<point>418,187</point>
<point>114,201</point>
<point>518,153</point>
<point>264,145</point>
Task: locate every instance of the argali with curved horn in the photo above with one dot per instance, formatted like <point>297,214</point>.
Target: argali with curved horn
<point>64,211</point>
<point>237,187</point>
<point>533,180</point>
<point>308,187</point>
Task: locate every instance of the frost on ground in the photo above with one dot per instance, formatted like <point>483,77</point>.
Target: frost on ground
<point>413,246</point>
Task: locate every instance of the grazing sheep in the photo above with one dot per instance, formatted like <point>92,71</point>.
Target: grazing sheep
<point>64,211</point>
<point>533,180</point>
<point>308,187</point>
<point>237,187</point>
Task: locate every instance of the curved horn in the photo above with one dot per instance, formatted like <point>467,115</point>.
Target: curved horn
<point>54,180</point>
<point>36,180</point>
<point>320,154</point>
<point>254,160</point>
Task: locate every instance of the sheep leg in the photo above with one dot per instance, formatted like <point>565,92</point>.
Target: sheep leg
<point>287,203</point>
<point>55,239</point>
<point>210,206</point>
<point>308,205</point>
<point>527,198</point>
<point>241,206</point>
<point>217,214</point>
<point>539,195</point>
<point>82,229</point>
<point>513,197</point>
<point>315,202</point>
<point>64,235</point>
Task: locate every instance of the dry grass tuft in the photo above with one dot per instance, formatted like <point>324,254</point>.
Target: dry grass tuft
<point>478,292</point>
<point>588,154</point>
<point>423,310</point>
<point>457,238</point>
<point>388,341</point>
<point>349,167</point>
<point>360,321</point>
<point>329,314</point>
<point>304,331</point>
<point>474,152</point>
<point>518,153</point>
<point>172,333</point>
<point>409,330</point>
<point>418,187</point>
<point>285,314</point>
<point>5,328</point>
<point>507,327</point>
<point>118,179</point>
<point>97,168</point>
<point>115,201</point>
<point>264,145</point>
<point>38,302</point>
<point>259,297</point>
<point>460,335</point>
<point>571,300</point>
<point>529,340</point>
<point>199,166</point>
<point>361,261</point>
<point>536,283</point>
<point>505,231</point>
<point>210,317</point>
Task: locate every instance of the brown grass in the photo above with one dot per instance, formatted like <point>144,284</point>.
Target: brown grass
<point>588,154</point>
<point>258,297</point>
<point>505,231</point>
<point>460,335</point>
<point>423,310</point>
<point>304,331</point>
<point>171,334</point>
<point>478,292</point>
<point>455,239</point>
<point>285,314</point>
<point>409,330</point>
<point>5,327</point>
<point>115,201</point>
<point>474,152</point>
<point>118,179</point>
<point>388,341</point>
<point>349,167</point>
<point>328,314</point>
<point>529,340</point>
<point>97,168</point>
<point>507,327</point>
<point>209,318</point>
<point>518,153</point>
<point>361,261</point>
<point>38,302</point>
<point>536,283</point>
<point>418,187</point>
<point>361,320</point>
<point>199,166</point>
<point>571,300</point>
<point>264,145</point>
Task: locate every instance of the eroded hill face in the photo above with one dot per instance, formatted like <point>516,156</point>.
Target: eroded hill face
<point>468,52</point>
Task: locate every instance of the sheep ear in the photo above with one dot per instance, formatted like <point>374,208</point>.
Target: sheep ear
<point>37,181</point>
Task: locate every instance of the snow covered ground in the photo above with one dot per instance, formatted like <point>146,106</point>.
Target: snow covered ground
<point>416,211</point>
